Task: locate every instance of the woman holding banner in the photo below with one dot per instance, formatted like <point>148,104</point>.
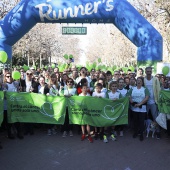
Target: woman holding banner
<point>68,91</point>
<point>52,90</point>
<point>9,85</point>
<point>139,95</point>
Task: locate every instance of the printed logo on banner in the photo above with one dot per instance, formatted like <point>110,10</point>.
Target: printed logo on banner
<point>47,110</point>
<point>112,109</point>
<point>13,97</point>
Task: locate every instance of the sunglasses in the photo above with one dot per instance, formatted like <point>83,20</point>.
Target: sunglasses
<point>8,76</point>
<point>69,82</point>
<point>29,74</point>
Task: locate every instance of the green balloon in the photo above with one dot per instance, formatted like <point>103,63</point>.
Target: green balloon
<point>53,66</point>
<point>71,56</point>
<point>3,56</point>
<point>16,75</point>
<point>132,68</point>
<point>165,70</point>
<point>66,56</point>
<point>25,67</point>
<point>99,60</point>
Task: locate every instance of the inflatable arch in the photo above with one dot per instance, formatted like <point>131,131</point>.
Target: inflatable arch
<point>118,12</point>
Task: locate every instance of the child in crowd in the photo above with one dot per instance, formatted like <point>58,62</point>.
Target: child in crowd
<point>112,95</point>
<point>98,93</point>
<point>84,90</point>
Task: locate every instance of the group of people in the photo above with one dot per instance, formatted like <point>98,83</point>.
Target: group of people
<point>141,87</point>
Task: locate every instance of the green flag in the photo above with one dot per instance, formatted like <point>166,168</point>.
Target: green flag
<point>97,112</point>
<point>36,108</point>
<point>1,106</point>
<point>164,102</point>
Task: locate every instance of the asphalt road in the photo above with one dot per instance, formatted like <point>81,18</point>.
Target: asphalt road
<point>42,152</point>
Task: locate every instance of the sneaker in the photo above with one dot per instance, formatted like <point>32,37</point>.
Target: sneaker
<point>112,137</point>
<point>158,136</point>
<point>83,137</point>
<point>90,139</point>
<point>64,134</point>
<point>121,133</point>
<point>54,131</point>
<point>49,132</point>
<point>70,133</point>
<point>115,133</point>
<point>105,139</point>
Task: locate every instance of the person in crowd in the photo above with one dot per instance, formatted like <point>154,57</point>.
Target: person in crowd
<point>97,73</point>
<point>127,83</point>
<point>43,87</point>
<point>52,90</point>
<point>132,82</point>
<point>103,82</point>
<point>79,86</point>
<point>56,70</point>
<point>116,75</point>
<point>98,93</point>
<point>113,94</point>
<point>47,76</point>
<point>123,92</point>
<point>83,74</point>
<point>84,89</point>
<point>31,86</point>
<point>9,85</point>
<point>64,79</point>
<point>68,91</point>
<point>139,96</point>
<point>132,74</point>
<point>153,85</point>
<point>140,72</point>
<point>74,76</point>
<point>109,78</point>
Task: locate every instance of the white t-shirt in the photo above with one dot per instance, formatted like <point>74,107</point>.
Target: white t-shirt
<point>137,96</point>
<point>81,94</point>
<point>149,85</point>
<point>68,91</point>
<point>123,92</point>
<point>113,96</point>
<point>102,94</point>
<point>28,85</point>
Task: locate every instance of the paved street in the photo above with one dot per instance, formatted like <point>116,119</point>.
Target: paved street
<point>42,152</point>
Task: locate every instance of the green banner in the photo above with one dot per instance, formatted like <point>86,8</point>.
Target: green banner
<point>97,112</point>
<point>1,106</point>
<point>164,102</point>
<point>36,108</point>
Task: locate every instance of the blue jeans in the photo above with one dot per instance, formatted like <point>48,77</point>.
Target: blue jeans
<point>154,112</point>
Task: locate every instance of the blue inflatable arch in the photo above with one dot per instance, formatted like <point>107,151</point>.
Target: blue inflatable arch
<point>118,12</point>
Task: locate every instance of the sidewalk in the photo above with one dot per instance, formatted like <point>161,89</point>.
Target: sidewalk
<point>42,152</point>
